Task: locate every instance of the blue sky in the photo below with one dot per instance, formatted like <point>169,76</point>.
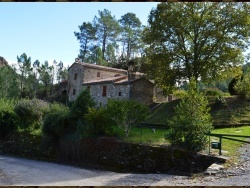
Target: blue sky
<point>45,31</point>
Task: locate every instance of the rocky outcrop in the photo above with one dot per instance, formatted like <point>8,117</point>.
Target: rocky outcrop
<point>3,62</point>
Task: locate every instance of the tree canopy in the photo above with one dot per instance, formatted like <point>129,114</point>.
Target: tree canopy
<point>200,40</point>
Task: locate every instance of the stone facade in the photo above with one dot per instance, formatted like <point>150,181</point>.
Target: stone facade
<point>109,83</point>
<point>112,92</point>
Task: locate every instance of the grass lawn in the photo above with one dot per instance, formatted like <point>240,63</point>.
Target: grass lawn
<point>236,110</point>
<point>229,147</point>
<point>147,136</point>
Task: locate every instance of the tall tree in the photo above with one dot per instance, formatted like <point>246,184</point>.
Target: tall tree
<point>131,31</point>
<point>200,40</point>
<point>45,76</point>
<point>9,86</point>
<point>86,37</point>
<point>107,28</point>
<point>25,68</point>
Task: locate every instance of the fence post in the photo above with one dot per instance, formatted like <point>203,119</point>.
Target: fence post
<point>141,133</point>
<point>220,144</point>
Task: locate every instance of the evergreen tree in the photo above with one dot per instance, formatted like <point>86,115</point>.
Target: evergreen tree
<point>191,122</point>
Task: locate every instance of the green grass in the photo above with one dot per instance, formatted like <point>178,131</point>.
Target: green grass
<point>146,136</point>
<point>231,147</point>
<point>235,111</point>
<point>162,113</point>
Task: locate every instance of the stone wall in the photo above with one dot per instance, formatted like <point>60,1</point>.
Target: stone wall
<point>75,84</point>
<point>87,73</point>
<point>112,92</point>
<point>142,91</point>
<point>110,154</point>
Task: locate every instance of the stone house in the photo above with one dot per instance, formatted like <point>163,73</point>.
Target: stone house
<point>109,83</point>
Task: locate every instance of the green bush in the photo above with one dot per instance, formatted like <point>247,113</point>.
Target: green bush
<point>80,106</point>
<point>231,86</point>
<point>214,92</point>
<point>8,118</point>
<point>191,122</point>
<point>179,94</point>
<point>31,113</point>
<point>58,122</point>
<point>126,113</point>
<point>242,87</point>
<point>98,122</point>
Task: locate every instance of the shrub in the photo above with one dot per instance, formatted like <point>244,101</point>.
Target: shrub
<point>191,121</point>
<point>214,92</point>
<point>8,118</point>
<point>242,87</point>
<point>179,94</point>
<point>231,86</point>
<point>30,113</point>
<point>80,106</point>
<point>58,122</point>
<point>98,122</point>
<point>126,113</point>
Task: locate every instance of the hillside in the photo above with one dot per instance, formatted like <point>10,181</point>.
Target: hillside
<point>3,62</point>
<point>235,111</point>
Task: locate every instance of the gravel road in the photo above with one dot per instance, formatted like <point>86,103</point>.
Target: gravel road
<point>18,171</point>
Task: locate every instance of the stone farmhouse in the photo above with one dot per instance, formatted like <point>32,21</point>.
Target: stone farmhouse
<point>106,83</point>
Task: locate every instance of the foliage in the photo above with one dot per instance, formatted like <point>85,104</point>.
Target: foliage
<point>231,86</point>
<point>200,40</point>
<point>9,87</point>
<point>58,122</point>
<point>98,122</point>
<point>126,113</point>
<point>86,36</point>
<point>80,106</point>
<point>8,118</point>
<point>107,29</point>
<point>179,94</point>
<point>212,92</point>
<point>131,31</point>
<point>191,121</point>
<point>31,113</point>
<point>242,87</point>
<point>25,68</point>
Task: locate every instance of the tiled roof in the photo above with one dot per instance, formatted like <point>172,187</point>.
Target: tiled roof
<point>106,80</point>
<point>100,67</point>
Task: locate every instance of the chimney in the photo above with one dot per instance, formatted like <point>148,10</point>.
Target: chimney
<point>130,72</point>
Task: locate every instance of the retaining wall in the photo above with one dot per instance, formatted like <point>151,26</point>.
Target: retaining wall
<point>110,154</point>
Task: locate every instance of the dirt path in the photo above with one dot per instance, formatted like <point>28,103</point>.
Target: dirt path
<point>17,171</point>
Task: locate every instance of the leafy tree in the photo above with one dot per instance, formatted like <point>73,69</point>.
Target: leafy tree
<point>80,106</point>
<point>8,118</point>
<point>86,36</point>
<point>57,122</point>
<point>126,113</point>
<point>200,40</point>
<point>107,28</point>
<point>242,86</point>
<point>31,113</point>
<point>98,122</point>
<point>9,86</point>
<point>45,76</point>
<point>191,122</point>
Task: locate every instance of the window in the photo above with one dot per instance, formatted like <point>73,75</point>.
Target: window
<point>120,94</point>
<point>74,91</point>
<point>88,88</point>
<point>75,78</point>
<point>98,74</point>
<point>104,91</point>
